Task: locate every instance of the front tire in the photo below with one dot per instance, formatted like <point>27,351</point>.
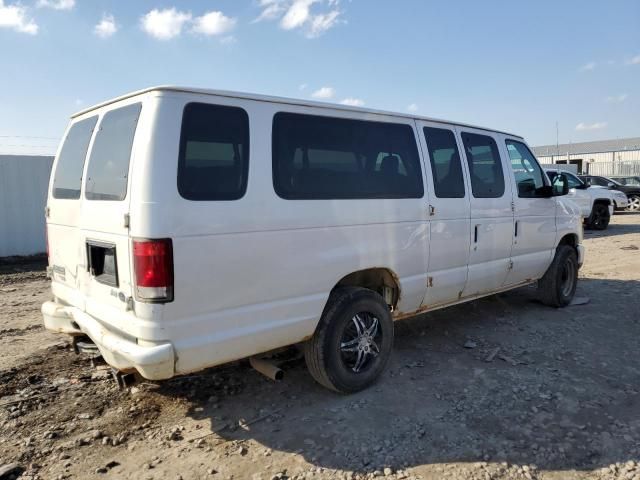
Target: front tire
<point>600,217</point>
<point>558,285</point>
<point>634,203</point>
<point>353,341</point>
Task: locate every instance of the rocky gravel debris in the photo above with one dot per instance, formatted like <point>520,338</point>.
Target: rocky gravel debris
<point>498,389</point>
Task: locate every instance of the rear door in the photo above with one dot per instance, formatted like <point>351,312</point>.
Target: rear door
<point>104,218</point>
<point>88,233</point>
<point>64,208</point>
<point>449,214</point>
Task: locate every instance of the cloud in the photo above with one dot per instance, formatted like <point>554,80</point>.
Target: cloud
<point>353,102</point>
<point>412,107</point>
<point>617,98</point>
<point>298,14</point>
<point>164,24</point>
<point>634,61</point>
<point>587,67</point>
<point>591,126</point>
<point>324,93</point>
<point>271,9</point>
<point>321,23</point>
<point>302,86</point>
<point>213,23</point>
<point>106,27</point>
<point>15,17</point>
<point>57,4</point>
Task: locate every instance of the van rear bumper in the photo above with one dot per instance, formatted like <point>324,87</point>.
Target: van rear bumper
<point>154,360</point>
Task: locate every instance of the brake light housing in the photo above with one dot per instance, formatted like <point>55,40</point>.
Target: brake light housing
<point>153,270</point>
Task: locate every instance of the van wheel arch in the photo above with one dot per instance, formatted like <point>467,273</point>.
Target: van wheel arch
<point>570,239</point>
<point>381,280</point>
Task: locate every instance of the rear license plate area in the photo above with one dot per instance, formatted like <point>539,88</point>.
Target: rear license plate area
<point>102,262</point>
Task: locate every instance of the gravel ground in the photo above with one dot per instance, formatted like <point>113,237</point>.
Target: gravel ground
<point>500,388</point>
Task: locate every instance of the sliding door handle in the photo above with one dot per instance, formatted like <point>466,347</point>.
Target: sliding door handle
<point>475,234</point>
<point>516,228</point>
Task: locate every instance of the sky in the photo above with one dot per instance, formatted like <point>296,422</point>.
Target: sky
<point>516,66</point>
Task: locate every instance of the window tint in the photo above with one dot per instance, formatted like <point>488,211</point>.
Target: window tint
<point>526,170</point>
<point>109,160</point>
<point>574,182</point>
<point>330,158</point>
<point>68,176</point>
<point>445,163</point>
<point>214,152</point>
<point>487,178</point>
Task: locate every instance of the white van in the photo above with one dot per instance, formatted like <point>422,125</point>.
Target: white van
<point>188,228</point>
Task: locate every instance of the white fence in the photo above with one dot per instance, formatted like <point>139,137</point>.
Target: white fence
<point>611,169</point>
<point>23,195</point>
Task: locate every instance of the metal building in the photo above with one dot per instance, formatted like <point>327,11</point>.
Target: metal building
<point>604,157</point>
<point>23,193</point>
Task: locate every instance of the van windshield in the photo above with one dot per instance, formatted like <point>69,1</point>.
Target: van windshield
<point>108,169</point>
<point>68,175</point>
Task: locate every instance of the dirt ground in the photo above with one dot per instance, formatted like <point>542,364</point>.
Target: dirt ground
<point>536,393</point>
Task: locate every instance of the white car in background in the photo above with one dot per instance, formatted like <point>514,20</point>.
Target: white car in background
<point>596,203</point>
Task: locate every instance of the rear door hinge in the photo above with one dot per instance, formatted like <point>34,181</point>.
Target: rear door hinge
<point>127,220</point>
<point>47,211</point>
<point>432,210</point>
<point>513,206</point>
<point>510,266</point>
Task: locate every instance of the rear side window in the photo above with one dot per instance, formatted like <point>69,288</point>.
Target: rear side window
<point>446,168</point>
<point>110,155</point>
<point>318,157</point>
<point>487,178</point>
<point>214,152</point>
<point>68,176</point>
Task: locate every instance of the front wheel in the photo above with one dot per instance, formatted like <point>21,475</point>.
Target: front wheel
<point>600,217</point>
<point>558,285</point>
<point>634,203</point>
<point>353,341</point>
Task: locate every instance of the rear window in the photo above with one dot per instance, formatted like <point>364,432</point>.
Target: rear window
<point>214,152</point>
<point>68,176</point>
<point>318,157</point>
<point>110,155</point>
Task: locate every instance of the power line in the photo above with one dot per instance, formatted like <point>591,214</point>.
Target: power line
<point>28,136</point>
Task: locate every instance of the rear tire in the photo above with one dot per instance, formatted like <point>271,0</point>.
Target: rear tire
<point>353,341</point>
<point>599,218</point>
<point>558,285</point>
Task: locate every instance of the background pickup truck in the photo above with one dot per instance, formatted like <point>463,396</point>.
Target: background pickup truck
<point>596,204</point>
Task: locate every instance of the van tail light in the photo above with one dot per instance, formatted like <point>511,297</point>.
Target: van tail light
<point>153,267</point>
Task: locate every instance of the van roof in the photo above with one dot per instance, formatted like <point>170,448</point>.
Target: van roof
<point>284,100</point>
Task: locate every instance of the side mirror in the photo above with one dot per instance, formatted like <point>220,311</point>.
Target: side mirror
<point>587,182</point>
<point>560,185</point>
<point>611,185</point>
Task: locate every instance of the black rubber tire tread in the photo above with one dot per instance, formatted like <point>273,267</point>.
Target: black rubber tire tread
<point>549,285</point>
<point>607,216</point>
<point>315,351</point>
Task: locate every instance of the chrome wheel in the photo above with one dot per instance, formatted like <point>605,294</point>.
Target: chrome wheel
<point>359,344</point>
<point>634,203</point>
